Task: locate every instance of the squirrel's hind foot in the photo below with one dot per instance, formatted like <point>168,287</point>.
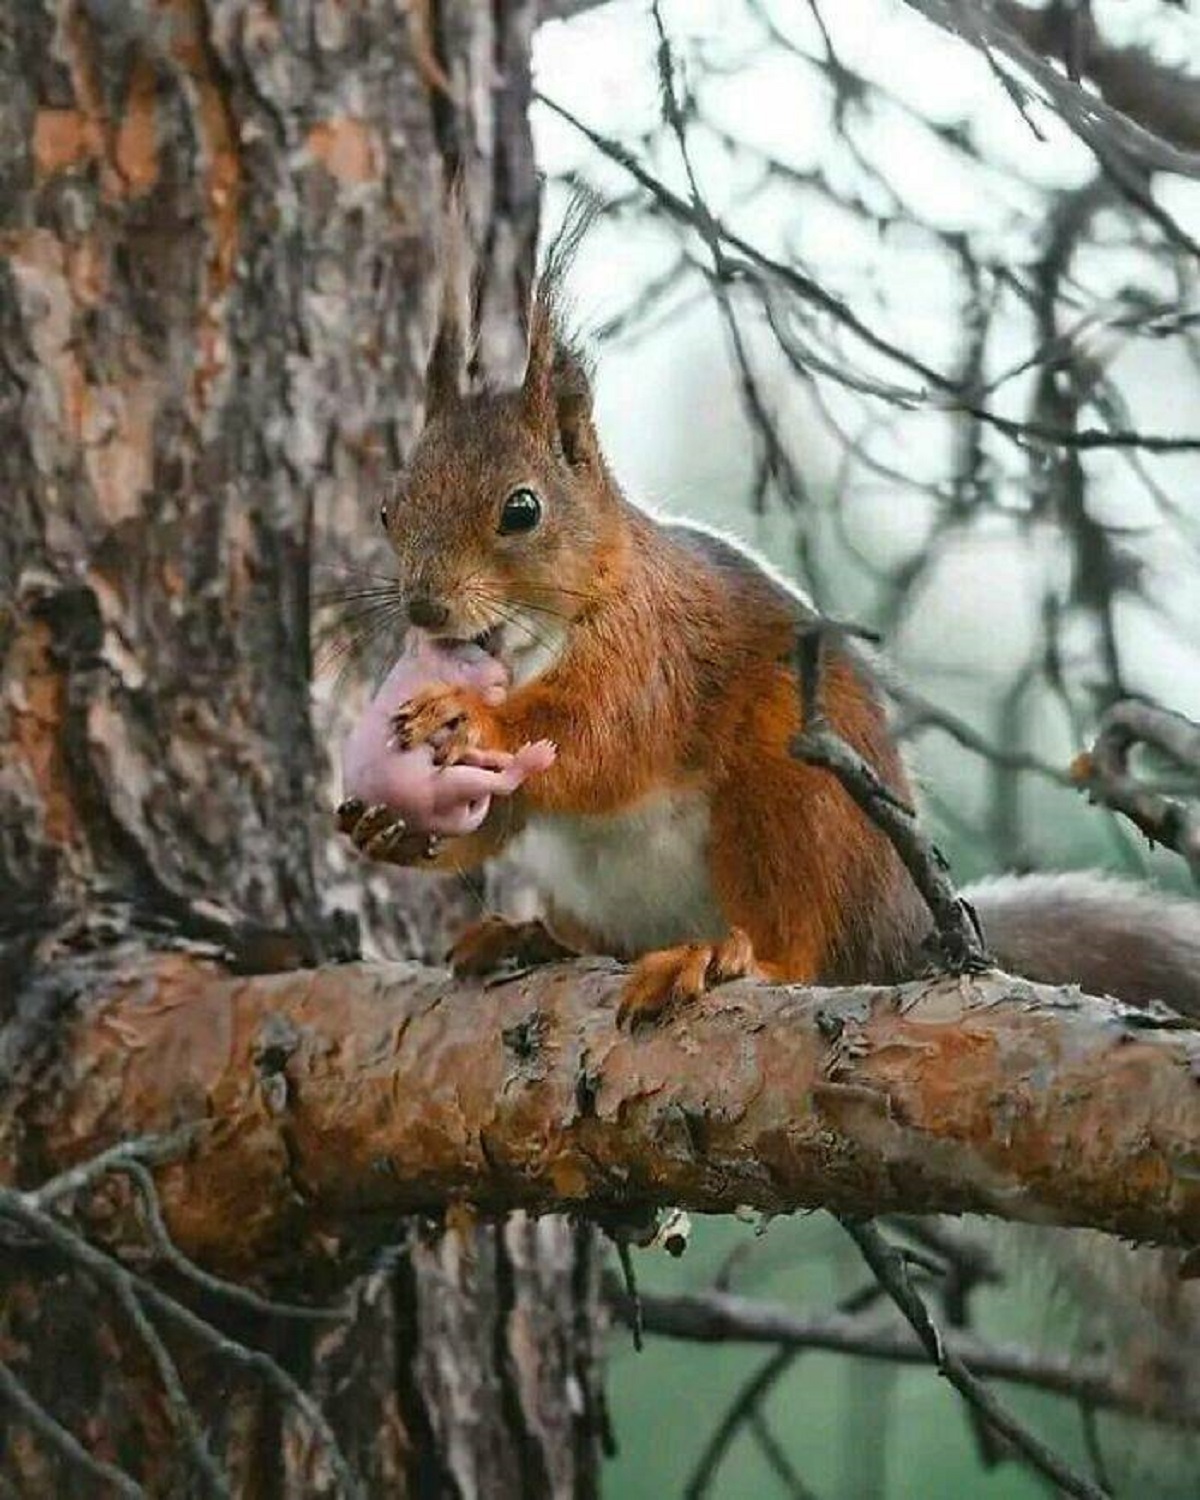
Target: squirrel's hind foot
<point>673,976</point>
<point>492,943</point>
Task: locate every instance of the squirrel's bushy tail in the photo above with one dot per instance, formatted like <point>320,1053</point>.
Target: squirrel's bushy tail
<point>1109,936</point>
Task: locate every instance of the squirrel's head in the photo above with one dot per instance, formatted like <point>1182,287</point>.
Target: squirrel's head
<point>504,519</point>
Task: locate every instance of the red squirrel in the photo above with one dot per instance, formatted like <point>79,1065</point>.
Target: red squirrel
<point>674,829</point>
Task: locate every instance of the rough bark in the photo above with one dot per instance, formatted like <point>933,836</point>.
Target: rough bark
<point>333,1100</point>
<point>218,226</point>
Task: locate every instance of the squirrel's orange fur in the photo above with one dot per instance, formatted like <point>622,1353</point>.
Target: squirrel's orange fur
<point>658,660</point>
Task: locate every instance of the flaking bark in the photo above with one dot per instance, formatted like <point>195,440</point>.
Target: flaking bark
<point>336,1099</point>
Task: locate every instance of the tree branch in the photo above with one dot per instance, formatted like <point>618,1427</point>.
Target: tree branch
<point>1104,773</point>
<point>1162,99</point>
<point>723,1317</point>
<point>817,743</point>
<point>889,1267</point>
<point>331,1101</point>
<point>1144,134</point>
<point>62,1442</point>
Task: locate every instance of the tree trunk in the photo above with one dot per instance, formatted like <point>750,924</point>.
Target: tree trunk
<point>218,227</point>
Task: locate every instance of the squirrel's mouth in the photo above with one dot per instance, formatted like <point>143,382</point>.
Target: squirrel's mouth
<point>490,640</point>
<point>524,652</point>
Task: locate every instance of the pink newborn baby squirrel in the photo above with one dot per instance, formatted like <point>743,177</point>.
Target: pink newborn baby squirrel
<point>427,798</point>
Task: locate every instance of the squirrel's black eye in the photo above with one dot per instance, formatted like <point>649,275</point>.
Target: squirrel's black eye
<point>383,514</point>
<point>520,512</point>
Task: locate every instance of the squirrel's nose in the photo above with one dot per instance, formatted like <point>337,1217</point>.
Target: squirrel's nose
<point>426,612</point>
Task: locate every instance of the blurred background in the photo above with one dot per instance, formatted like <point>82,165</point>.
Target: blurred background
<point>851,271</point>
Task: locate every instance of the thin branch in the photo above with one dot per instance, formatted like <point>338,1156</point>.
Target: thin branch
<point>217,1286</point>
<point>948,396</point>
<point>133,1158</point>
<point>1104,773</point>
<point>1090,117</point>
<point>131,1289</point>
<point>818,744</point>
<point>889,1267</point>
<point>1163,100</point>
<point>153,1150</point>
<point>60,1440</point>
<point>774,1453</point>
<point>753,1393</point>
<point>921,713</point>
<point>724,1317</point>
<point>26,1210</point>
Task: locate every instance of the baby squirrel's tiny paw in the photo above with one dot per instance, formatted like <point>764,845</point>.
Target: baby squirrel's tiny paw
<point>440,716</point>
<point>538,755</point>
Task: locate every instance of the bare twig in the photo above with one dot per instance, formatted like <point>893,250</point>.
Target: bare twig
<point>723,1317</point>
<point>1092,119</point>
<point>818,744</point>
<point>130,1290</point>
<point>921,713</point>
<point>149,1149</point>
<point>229,1291</point>
<point>1104,773</point>
<point>773,1451</point>
<point>27,1211</point>
<point>60,1440</point>
<point>949,397</point>
<point>132,1158</point>
<point>751,1395</point>
<point>889,1266</point>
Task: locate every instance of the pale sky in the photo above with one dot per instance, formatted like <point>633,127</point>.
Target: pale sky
<point>668,406</point>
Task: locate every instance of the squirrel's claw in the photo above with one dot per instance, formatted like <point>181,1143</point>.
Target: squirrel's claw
<point>487,945</point>
<point>349,812</point>
<point>675,976</point>
<point>379,832</point>
<point>440,716</point>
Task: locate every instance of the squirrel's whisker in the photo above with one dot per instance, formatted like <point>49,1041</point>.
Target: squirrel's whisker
<point>337,596</point>
<point>353,570</point>
<point>495,601</point>
<point>346,619</point>
<point>554,588</point>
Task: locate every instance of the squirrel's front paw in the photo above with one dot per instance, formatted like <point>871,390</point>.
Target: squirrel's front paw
<point>381,833</point>
<point>446,718</point>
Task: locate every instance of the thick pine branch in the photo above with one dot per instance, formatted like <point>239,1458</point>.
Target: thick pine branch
<point>331,1101</point>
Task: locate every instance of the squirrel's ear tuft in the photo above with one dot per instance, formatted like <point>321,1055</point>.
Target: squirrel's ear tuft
<point>453,343</point>
<point>557,389</point>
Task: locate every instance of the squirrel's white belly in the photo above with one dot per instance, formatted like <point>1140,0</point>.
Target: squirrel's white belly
<point>637,880</point>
